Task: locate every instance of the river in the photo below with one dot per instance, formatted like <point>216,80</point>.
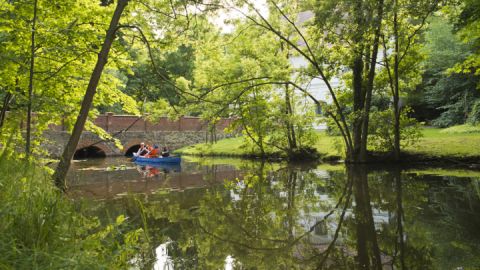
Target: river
<point>211,213</point>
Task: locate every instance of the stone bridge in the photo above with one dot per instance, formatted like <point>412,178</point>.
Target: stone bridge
<point>131,130</point>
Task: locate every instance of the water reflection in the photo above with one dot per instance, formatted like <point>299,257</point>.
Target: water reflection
<point>268,216</point>
<point>148,170</point>
<point>163,261</point>
<point>98,179</point>
<point>229,263</point>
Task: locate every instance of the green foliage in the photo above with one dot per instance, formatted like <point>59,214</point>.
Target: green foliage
<point>381,130</point>
<point>144,84</point>
<point>468,25</point>
<point>450,95</point>
<point>68,37</point>
<point>43,229</point>
<point>243,75</point>
<point>474,116</point>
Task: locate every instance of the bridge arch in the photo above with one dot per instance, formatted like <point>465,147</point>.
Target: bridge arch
<point>89,152</point>
<point>132,149</point>
<point>88,149</point>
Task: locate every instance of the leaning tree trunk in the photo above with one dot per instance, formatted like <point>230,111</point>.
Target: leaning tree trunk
<point>30,83</point>
<point>64,165</point>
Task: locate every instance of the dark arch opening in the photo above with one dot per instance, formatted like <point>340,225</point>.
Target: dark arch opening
<point>89,152</point>
<point>132,149</point>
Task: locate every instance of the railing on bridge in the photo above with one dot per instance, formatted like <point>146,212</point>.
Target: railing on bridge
<point>113,123</point>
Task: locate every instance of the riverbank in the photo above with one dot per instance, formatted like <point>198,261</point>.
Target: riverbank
<point>443,146</point>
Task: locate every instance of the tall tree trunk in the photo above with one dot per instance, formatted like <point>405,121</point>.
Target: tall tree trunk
<point>396,97</point>
<point>64,165</point>
<point>358,93</point>
<point>371,77</point>
<point>30,83</point>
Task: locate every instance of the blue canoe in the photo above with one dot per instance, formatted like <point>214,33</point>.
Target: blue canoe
<point>164,160</point>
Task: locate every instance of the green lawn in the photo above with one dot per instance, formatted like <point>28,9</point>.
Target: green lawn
<point>435,143</point>
<point>444,144</point>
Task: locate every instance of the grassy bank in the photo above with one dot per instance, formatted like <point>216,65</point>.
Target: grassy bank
<point>452,143</point>
<point>42,229</point>
<point>233,147</point>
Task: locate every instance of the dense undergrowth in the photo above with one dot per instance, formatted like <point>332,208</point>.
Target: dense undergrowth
<point>41,228</point>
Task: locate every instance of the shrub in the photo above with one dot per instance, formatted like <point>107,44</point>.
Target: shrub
<point>381,130</point>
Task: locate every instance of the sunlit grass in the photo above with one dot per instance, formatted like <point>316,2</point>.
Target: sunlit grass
<point>329,146</point>
<point>437,143</point>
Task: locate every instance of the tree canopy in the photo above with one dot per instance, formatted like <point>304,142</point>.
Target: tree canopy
<point>383,64</point>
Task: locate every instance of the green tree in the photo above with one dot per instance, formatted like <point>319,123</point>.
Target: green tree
<point>406,21</point>
<point>331,43</point>
<point>247,75</point>
<point>66,39</point>
<point>451,96</point>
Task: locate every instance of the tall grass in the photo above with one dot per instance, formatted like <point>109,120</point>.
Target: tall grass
<point>40,228</point>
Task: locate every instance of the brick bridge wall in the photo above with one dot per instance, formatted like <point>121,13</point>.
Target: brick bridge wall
<point>173,134</point>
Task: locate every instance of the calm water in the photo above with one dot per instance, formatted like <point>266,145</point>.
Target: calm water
<point>234,214</point>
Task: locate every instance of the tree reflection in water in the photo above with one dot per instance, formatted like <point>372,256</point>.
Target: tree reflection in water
<point>352,217</point>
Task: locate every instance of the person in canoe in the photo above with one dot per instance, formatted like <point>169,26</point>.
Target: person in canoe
<point>165,152</point>
<point>153,153</point>
<point>143,150</point>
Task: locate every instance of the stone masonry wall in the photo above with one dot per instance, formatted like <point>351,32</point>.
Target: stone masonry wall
<point>172,139</point>
<point>131,130</point>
